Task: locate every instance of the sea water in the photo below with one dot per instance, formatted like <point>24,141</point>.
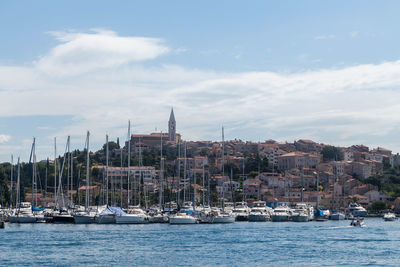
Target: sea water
<point>244,243</point>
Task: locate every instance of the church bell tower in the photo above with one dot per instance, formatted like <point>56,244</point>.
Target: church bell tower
<point>172,127</point>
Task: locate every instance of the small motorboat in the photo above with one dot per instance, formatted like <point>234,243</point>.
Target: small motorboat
<point>388,217</point>
<point>358,222</point>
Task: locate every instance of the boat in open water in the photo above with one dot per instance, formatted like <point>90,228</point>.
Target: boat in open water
<point>388,217</point>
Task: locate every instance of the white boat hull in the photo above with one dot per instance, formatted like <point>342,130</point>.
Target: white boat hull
<point>389,219</point>
<point>300,218</point>
<point>223,219</point>
<point>182,220</point>
<point>158,219</point>
<point>131,219</point>
<point>105,219</point>
<point>337,216</point>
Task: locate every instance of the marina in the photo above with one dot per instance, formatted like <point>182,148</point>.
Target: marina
<point>240,243</point>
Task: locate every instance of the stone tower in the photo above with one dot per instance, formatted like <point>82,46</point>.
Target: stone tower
<point>172,127</point>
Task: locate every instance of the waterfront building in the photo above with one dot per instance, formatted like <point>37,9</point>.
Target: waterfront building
<point>298,160</point>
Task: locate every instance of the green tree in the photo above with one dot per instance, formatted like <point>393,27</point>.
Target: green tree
<point>332,153</point>
<point>378,206</point>
<point>111,146</point>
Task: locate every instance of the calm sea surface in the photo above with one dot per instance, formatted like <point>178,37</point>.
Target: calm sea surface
<point>253,244</point>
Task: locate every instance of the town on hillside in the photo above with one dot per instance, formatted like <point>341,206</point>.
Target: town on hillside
<point>231,170</point>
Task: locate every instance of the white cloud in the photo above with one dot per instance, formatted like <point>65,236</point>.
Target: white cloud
<point>4,138</point>
<point>347,105</point>
<point>83,52</point>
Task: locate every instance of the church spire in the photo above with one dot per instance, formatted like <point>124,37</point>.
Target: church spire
<point>172,126</point>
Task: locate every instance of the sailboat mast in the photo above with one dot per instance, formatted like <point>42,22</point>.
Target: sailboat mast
<point>60,189</point>
<point>203,186</point>
<point>33,169</point>
<point>223,169</point>
<point>72,178</point>
<point>231,186</point>
<point>194,190</point>
<point>184,174</point>
<point>302,186</point>
<point>87,172</point>
<point>12,180</point>
<point>317,191</point>
<point>178,192</point>
<point>45,178</point>
<point>208,187</point>
<point>68,168</point>
<point>120,180</point>
<point>129,161</point>
<point>55,171</point>
<point>160,189</point>
<point>17,200</point>
<point>243,197</point>
<point>107,169</point>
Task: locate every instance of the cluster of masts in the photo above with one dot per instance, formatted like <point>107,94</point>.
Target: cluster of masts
<point>65,167</point>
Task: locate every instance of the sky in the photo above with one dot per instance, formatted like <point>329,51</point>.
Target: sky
<point>283,70</point>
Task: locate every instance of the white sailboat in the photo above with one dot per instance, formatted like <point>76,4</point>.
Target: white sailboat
<point>86,216</point>
<point>23,211</point>
<point>223,216</point>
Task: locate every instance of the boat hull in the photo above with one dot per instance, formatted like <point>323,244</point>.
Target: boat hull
<point>258,218</point>
<point>131,219</point>
<point>83,219</point>
<point>242,218</point>
<point>182,220</point>
<point>300,218</point>
<point>389,219</point>
<point>223,220</point>
<point>105,219</point>
<point>62,219</point>
<point>22,219</point>
<point>158,219</point>
<point>337,216</point>
<point>279,218</point>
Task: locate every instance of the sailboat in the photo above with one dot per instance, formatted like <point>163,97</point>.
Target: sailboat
<point>336,215</point>
<point>319,215</point>
<point>23,210</point>
<point>184,216</point>
<point>133,215</point>
<point>86,216</point>
<point>61,215</point>
<point>223,216</point>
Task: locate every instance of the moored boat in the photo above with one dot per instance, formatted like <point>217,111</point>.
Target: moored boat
<point>280,214</point>
<point>132,216</point>
<point>182,218</point>
<point>336,216</point>
<point>357,210</point>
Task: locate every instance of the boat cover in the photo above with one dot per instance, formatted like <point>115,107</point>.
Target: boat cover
<point>190,211</point>
<point>37,209</point>
<point>112,210</point>
<point>318,213</point>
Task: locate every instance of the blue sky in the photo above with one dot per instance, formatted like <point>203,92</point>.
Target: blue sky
<point>283,70</point>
